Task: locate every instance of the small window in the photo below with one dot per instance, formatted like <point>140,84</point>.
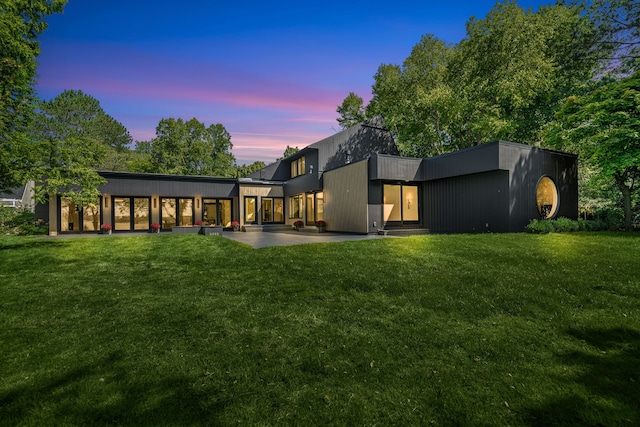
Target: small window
<point>547,197</point>
<point>250,209</point>
<point>298,167</point>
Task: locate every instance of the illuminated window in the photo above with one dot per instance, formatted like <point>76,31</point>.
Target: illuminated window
<point>72,218</point>
<point>400,203</point>
<point>298,167</point>
<point>217,212</point>
<point>295,206</point>
<point>250,208</point>
<point>69,215</point>
<point>272,209</point>
<point>91,217</point>
<point>547,197</point>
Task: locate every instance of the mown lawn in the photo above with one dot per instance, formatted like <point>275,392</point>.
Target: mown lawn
<point>493,329</point>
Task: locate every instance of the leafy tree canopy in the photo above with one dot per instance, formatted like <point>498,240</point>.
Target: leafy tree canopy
<point>72,136</point>
<point>618,25</point>
<point>351,111</point>
<point>603,128</point>
<point>188,148</point>
<point>21,22</point>
<point>503,81</point>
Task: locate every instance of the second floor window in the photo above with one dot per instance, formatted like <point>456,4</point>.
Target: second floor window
<point>298,167</point>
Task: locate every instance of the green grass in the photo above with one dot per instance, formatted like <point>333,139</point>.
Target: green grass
<point>493,329</point>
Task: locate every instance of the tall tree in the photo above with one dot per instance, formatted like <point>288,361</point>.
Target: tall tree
<point>603,127</point>
<point>189,148</point>
<point>73,135</point>
<point>351,111</point>
<point>517,66</point>
<point>618,25</point>
<point>21,22</point>
<point>503,81</point>
<point>417,101</point>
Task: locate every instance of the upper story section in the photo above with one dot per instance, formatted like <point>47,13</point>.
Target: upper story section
<point>348,146</point>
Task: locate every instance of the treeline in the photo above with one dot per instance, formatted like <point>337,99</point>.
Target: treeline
<point>563,77</point>
<point>60,143</point>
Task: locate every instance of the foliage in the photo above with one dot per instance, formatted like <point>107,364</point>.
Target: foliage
<point>188,148</point>
<point>603,128</point>
<point>244,170</point>
<point>417,100</point>
<point>21,22</point>
<point>517,66</point>
<point>618,25</point>
<point>321,223</point>
<point>565,225</point>
<point>289,151</point>
<point>525,330</point>
<point>106,227</point>
<point>503,81</point>
<point>20,221</point>
<point>72,135</point>
<point>351,111</point>
<point>155,226</point>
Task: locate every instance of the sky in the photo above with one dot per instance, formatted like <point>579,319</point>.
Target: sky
<point>272,73</point>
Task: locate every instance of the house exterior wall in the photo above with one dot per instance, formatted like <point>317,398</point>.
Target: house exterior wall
<point>346,198</point>
<point>527,165</point>
<point>258,191</point>
<point>468,204</point>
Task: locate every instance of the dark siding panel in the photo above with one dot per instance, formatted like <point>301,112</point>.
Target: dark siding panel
<point>466,204</point>
<point>302,184</point>
<point>393,168</point>
<point>167,188</point>
<point>527,166</point>
<point>482,158</point>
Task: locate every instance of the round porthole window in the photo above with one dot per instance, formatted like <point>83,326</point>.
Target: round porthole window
<point>547,197</point>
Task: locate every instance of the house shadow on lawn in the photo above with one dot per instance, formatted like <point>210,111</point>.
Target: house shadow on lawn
<point>610,374</point>
<point>133,400</point>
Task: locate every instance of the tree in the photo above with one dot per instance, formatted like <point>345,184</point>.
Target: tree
<point>21,22</point>
<point>351,111</point>
<point>503,81</point>
<point>245,170</point>
<point>618,25</point>
<point>417,101</point>
<point>189,148</point>
<point>603,128</point>
<point>516,66</point>
<point>73,135</point>
<point>289,151</point>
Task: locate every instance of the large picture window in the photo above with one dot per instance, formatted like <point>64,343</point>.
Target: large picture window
<point>295,206</point>
<point>547,197</point>
<point>176,212</point>
<point>314,209</point>
<point>73,218</point>
<point>69,215</point>
<point>131,213</point>
<point>401,203</point>
<point>217,212</point>
<point>272,210</point>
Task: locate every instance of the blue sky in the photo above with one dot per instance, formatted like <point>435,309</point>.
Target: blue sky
<point>273,73</point>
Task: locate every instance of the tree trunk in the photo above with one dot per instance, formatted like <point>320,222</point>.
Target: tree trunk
<point>624,188</point>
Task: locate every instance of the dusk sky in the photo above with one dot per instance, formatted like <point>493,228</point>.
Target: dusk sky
<point>273,73</point>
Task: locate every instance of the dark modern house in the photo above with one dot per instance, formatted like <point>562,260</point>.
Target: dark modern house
<point>355,181</point>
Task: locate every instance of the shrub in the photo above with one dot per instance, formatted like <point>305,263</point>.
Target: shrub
<point>20,221</point>
<point>563,225</point>
<point>540,226</point>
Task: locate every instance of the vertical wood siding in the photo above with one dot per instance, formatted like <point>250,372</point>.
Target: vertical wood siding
<point>345,198</point>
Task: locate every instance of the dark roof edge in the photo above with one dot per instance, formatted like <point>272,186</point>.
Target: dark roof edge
<point>164,177</point>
